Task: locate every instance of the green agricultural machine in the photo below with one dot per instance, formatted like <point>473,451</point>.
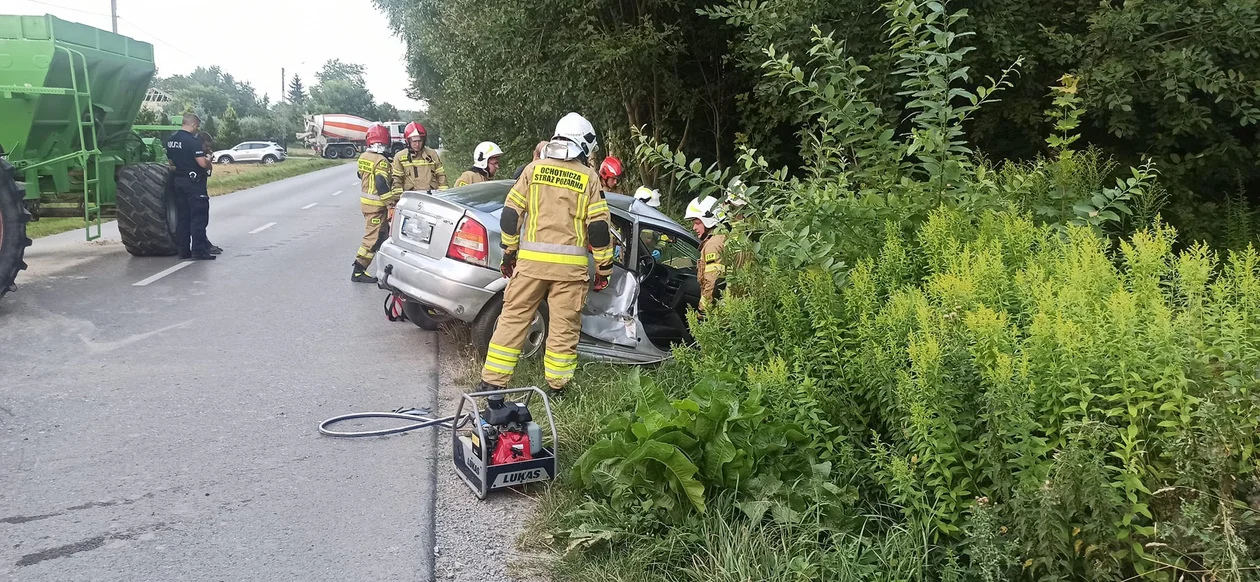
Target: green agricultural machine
<point>68,96</point>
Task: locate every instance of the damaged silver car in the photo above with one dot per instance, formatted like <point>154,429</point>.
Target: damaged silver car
<point>442,257</point>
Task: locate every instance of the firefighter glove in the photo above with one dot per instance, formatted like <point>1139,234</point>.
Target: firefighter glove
<point>509,264</point>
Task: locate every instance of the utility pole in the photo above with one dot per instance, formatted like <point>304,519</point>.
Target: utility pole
<point>113,13</point>
<point>283,88</point>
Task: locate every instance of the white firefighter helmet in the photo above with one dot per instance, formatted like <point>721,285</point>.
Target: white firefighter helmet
<point>575,136</point>
<point>485,150</point>
<point>648,196</point>
<point>706,210</point>
<point>735,193</point>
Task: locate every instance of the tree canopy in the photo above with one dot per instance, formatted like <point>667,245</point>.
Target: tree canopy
<point>1177,81</point>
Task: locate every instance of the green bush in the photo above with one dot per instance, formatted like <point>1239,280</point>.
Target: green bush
<point>968,371</point>
<point>1040,406</point>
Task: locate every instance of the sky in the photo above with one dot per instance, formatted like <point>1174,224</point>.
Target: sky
<point>252,39</point>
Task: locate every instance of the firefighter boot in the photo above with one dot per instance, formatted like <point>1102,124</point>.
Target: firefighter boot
<point>361,275</point>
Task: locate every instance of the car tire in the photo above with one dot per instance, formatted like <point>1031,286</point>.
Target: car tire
<point>348,152</point>
<point>269,159</point>
<point>332,153</point>
<point>484,325</point>
<point>225,160</point>
<point>425,317</point>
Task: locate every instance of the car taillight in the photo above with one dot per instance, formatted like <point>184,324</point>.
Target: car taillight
<point>470,243</point>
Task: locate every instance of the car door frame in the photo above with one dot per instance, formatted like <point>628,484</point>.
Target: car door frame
<point>643,351</point>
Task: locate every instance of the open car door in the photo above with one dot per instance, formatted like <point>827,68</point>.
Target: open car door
<point>610,315</point>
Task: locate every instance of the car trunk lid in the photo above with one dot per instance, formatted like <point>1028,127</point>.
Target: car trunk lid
<point>426,223</point>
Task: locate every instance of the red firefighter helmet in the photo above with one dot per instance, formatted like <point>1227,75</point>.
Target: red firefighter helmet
<point>378,134</point>
<point>610,168</point>
<point>414,129</point>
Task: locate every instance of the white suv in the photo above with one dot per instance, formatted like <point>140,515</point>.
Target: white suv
<point>251,151</point>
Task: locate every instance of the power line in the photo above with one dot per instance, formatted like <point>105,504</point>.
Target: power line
<point>68,8</point>
<point>155,37</point>
<point>128,21</point>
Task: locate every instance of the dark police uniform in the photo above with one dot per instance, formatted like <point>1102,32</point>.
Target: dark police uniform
<point>191,198</point>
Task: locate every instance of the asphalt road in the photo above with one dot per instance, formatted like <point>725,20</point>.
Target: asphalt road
<point>165,428</point>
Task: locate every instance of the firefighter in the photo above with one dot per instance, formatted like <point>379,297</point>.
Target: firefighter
<point>610,174</point>
<point>735,211</point>
<point>538,155</point>
<point>417,167</point>
<point>485,164</point>
<point>648,196</point>
<point>705,218</point>
<point>376,201</point>
<point>553,213</point>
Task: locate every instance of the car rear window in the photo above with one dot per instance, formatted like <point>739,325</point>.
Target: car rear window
<point>487,196</point>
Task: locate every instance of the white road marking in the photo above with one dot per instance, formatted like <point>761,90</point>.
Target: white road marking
<point>262,228</point>
<point>354,182</point>
<point>145,282</point>
<point>309,205</point>
<point>337,192</point>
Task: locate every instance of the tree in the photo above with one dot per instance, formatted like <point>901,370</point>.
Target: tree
<point>297,94</point>
<point>230,131</point>
<point>210,91</point>
<point>341,89</point>
<point>335,69</point>
<point>387,112</point>
<point>1178,80</point>
<point>341,96</point>
<point>654,63</point>
<point>146,117</point>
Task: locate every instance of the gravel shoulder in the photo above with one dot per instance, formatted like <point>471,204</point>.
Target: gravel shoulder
<point>476,540</point>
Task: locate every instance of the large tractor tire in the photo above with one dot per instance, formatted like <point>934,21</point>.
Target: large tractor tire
<point>146,210</point>
<point>13,219</point>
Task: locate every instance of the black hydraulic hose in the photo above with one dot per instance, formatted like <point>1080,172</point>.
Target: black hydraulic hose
<point>410,414</point>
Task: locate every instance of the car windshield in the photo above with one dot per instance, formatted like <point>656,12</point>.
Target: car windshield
<point>487,197</point>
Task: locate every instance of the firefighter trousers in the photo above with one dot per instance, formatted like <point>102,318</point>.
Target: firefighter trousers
<point>520,301</point>
<point>375,232</point>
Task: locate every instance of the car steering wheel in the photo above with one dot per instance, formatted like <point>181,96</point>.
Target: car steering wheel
<point>646,267</point>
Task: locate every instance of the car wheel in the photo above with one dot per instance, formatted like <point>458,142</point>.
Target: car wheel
<point>348,152</point>
<point>332,153</point>
<point>483,328</point>
<point>423,316</point>
<point>269,159</point>
<point>225,160</point>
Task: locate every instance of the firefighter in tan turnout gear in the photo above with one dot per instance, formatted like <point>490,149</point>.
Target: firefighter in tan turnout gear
<point>705,217</point>
<point>551,216</point>
<point>376,199</point>
<point>418,167</point>
<point>485,164</point>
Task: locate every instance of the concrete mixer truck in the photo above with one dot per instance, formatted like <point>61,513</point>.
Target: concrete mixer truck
<point>337,135</point>
<point>69,95</point>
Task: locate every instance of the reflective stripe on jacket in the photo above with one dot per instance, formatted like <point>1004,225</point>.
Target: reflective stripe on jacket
<point>422,171</point>
<point>374,174</point>
<point>710,269</point>
<point>556,203</point>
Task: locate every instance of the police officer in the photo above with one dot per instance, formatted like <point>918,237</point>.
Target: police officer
<point>553,213</point>
<point>187,154</point>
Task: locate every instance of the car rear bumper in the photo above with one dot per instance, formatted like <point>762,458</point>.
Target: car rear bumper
<point>457,288</point>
